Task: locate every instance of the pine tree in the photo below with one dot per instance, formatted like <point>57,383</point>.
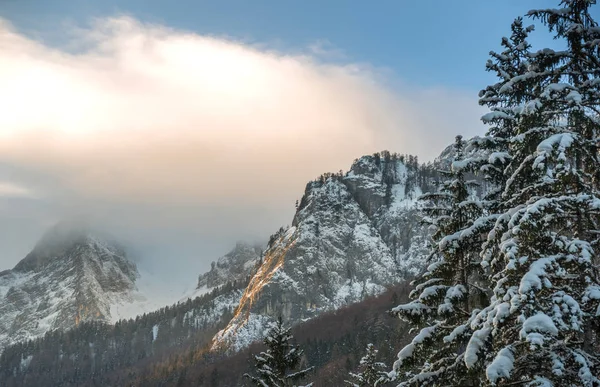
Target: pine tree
<point>542,254</point>
<point>445,296</point>
<point>273,366</point>
<point>371,374</point>
<point>513,88</point>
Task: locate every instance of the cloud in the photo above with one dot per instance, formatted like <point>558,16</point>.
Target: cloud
<point>193,141</point>
<point>8,189</point>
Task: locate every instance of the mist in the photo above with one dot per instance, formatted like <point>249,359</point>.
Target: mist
<point>181,144</point>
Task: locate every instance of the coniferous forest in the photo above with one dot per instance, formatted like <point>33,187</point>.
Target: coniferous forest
<point>511,291</point>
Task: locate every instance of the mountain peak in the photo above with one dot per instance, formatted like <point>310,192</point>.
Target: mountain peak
<point>352,235</point>
<point>60,238</point>
<point>235,265</point>
<point>72,275</point>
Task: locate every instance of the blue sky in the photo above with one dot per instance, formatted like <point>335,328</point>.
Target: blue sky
<point>427,43</point>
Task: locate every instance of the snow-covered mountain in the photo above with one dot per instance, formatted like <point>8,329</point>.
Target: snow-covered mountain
<point>233,266</point>
<point>72,275</point>
<point>352,236</point>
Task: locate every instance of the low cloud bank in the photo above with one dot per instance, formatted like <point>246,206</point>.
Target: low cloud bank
<point>184,143</point>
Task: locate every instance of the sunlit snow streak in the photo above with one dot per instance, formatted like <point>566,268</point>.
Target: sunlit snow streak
<point>273,260</point>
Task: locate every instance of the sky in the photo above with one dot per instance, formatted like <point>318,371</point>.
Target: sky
<point>183,128</point>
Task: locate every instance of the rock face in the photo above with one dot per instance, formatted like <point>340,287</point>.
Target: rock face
<point>352,236</point>
<point>70,276</point>
<point>233,266</point>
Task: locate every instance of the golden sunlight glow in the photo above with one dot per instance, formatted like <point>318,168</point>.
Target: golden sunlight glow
<point>274,259</point>
<point>150,107</point>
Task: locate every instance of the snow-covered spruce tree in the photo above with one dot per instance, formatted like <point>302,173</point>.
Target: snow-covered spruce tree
<point>542,254</point>
<point>275,367</point>
<point>446,295</point>
<point>371,372</point>
<point>511,64</point>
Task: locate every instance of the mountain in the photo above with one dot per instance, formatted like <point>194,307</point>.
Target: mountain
<point>352,236</point>
<point>235,265</point>
<point>72,275</point>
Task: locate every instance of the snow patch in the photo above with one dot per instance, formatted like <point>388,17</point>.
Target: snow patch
<point>475,345</point>
<point>501,367</point>
<point>154,332</point>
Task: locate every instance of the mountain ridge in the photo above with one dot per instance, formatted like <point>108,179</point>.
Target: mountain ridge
<point>353,235</point>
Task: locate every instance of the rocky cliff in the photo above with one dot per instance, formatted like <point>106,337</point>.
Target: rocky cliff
<point>352,236</point>
<point>72,275</point>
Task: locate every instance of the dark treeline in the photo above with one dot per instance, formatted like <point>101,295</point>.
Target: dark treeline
<point>425,176</point>
<point>93,350</point>
<point>384,166</point>
<point>333,343</point>
<point>96,354</point>
<point>418,174</point>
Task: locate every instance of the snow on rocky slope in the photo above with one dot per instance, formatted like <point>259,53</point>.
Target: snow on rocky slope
<point>72,275</point>
<point>352,236</point>
<point>233,266</point>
